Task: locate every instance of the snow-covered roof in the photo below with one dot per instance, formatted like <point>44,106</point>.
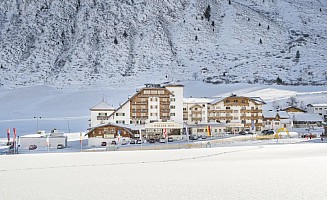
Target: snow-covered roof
<point>285,121</point>
<point>317,105</point>
<point>283,114</point>
<point>258,99</point>
<point>198,100</point>
<point>269,114</point>
<point>129,126</point>
<point>217,100</point>
<point>102,106</point>
<point>305,117</point>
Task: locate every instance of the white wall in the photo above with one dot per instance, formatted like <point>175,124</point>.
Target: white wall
<point>178,92</point>
<point>41,142</point>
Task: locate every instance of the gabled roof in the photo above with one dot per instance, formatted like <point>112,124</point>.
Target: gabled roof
<point>257,100</point>
<point>148,86</point>
<point>283,115</point>
<point>293,107</point>
<point>102,106</point>
<point>218,99</point>
<point>273,114</point>
<point>269,114</point>
<point>305,117</point>
<point>198,100</point>
<point>127,127</point>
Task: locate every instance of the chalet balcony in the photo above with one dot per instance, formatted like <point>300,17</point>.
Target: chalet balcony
<point>196,118</point>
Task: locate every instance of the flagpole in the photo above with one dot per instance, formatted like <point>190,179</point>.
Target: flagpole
<point>81,141</point>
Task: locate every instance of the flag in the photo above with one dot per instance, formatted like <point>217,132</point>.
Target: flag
<point>8,134</point>
<point>165,132</point>
<point>118,132</point>
<point>209,131</point>
<point>15,134</point>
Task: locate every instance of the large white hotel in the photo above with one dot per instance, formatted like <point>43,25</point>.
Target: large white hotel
<point>156,109</point>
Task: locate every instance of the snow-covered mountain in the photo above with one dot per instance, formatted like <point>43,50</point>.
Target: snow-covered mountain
<point>110,42</point>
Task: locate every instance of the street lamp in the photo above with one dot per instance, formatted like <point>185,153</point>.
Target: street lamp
<point>37,123</point>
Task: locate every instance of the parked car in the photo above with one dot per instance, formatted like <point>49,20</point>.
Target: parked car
<point>32,147</point>
<point>139,142</point>
<point>268,132</point>
<point>193,137</point>
<point>203,137</point>
<point>113,142</point>
<point>170,139</point>
<point>151,140</point>
<point>124,142</point>
<point>60,146</point>
<point>162,140</point>
<point>103,144</point>
<point>242,133</point>
<point>132,142</point>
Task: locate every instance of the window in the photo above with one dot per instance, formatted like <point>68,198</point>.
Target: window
<point>184,109</point>
<point>227,121</point>
<point>195,108</point>
<point>161,92</point>
<point>316,108</point>
<point>172,114</point>
<point>120,114</point>
<point>243,122</point>
<point>154,92</point>
<point>235,118</point>
<point>146,92</point>
<point>172,107</point>
<point>227,101</point>
<point>243,101</point>
<point>235,111</point>
<point>235,101</point>
<point>320,108</point>
<point>172,99</point>
<point>227,108</point>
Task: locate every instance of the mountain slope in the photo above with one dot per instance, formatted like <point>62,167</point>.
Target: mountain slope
<point>107,43</point>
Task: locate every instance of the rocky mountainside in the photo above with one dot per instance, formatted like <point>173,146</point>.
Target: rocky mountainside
<point>105,43</point>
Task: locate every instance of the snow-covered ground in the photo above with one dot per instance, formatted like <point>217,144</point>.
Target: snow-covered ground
<point>68,109</point>
<point>289,171</point>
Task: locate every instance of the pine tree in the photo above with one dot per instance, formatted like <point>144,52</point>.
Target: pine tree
<point>207,13</point>
<point>196,38</point>
<point>229,2</point>
<point>297,56</point>
<point>212,23</point>
<point>260,41</point>
<point>115,41</point>
<point>259,24</point>
<point>268,27</point>
<point>279,81</point>
<point>125,34</point>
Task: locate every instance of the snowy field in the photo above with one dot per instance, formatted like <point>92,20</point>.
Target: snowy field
<point>288,171</point>
<point>68,109</point>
